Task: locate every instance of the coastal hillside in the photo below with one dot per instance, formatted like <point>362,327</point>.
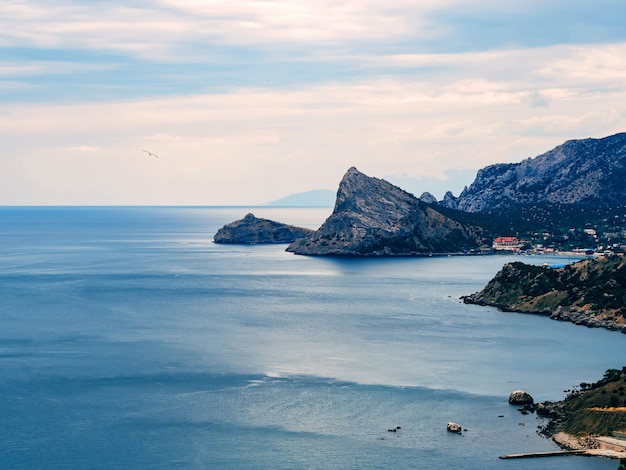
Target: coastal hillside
<point>598,408</point>
<point>579,181</point>
<point>372,217</point>
<point>591,292</point>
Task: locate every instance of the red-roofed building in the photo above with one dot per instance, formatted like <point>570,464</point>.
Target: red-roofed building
<point>507,243</point>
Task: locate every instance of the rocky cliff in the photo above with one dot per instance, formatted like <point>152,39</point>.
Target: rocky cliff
<point>251,230</point>
<point>591,292</point>
<point>578,182</point>
<point>578,171</point>
<point>372,217</point>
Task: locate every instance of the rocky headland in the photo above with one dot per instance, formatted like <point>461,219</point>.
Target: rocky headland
<point>591,292</point>
<point>252,230</point>
<point>372,217</point>
<point>591,418</point>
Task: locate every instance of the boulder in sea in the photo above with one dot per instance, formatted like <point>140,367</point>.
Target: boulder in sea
<point>251,230</point>
<point>520,397</point>
<point>454,427</point>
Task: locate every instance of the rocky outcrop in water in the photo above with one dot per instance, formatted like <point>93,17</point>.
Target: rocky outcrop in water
<point>454,427</point>
<point>520,397</point>
<point>251,230</point>
<point>372,217</point>
<point>591,292</point>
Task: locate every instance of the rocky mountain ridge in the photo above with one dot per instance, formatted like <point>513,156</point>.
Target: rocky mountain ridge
<point>585,171</point>
<point>372,217</point>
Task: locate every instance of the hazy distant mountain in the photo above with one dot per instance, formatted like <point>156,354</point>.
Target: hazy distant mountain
<point>314,198</point>
<point>372,217</point>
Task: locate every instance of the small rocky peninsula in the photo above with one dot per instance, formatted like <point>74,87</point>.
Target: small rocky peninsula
<point>591,418</point>
<point>372,217</point>
<point>252,230</point>
<point>591,292</point>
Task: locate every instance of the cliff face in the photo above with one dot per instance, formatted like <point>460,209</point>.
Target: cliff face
<point>590,292</point>
<point>251,230</point>
<point>375,218</point>
<point>588,171</point>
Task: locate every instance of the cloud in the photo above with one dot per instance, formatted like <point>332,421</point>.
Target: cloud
<point>248,101</point>
<point>163,27</point>
<point>172,30</point>
<point>537,99</point>
<point>84,148</point>
<point>252,144</point>
<point>161,136</point>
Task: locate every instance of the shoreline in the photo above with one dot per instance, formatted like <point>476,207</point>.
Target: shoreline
<point>592,446</point>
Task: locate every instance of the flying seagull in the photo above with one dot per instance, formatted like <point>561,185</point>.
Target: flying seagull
<point>151,154</point>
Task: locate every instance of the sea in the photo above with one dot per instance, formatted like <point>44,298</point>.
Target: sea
<point>129,340</point>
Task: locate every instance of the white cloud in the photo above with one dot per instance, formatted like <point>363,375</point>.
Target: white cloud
<point>387,111</point>
<point>253,145</point>
<point>165,29</point>
<point>604,64</point>
<point>160,136</point>
<point>84,148</point>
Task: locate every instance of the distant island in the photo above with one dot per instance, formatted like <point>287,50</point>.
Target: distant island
<point>591,292</point>
<point>252,230</point>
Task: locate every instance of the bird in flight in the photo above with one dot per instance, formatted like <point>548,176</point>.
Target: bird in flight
<point>151,154</point>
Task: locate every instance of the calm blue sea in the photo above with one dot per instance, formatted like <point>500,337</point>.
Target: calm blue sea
<point>128,339</point>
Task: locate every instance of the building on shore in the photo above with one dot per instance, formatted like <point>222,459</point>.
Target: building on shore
<point>507,244</point>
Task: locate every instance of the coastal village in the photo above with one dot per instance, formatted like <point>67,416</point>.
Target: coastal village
<point>577,241</point>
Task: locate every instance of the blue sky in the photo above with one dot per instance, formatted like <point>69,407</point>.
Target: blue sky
<point>249,101</point>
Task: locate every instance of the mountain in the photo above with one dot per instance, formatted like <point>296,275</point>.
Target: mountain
<point>578,181</point>
<point>251,230</point>
<point>314,198</point>
<point>591,292</point>
<point>372,217</point>
<point>578,171</point>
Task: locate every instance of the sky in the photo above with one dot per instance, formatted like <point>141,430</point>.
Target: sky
<point>248,101</point>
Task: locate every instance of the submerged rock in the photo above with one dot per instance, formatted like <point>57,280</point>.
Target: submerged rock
<point>251,230</point>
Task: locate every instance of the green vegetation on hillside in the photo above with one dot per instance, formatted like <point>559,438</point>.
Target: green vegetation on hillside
<point>590,292</point>
<point>598,408</point>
